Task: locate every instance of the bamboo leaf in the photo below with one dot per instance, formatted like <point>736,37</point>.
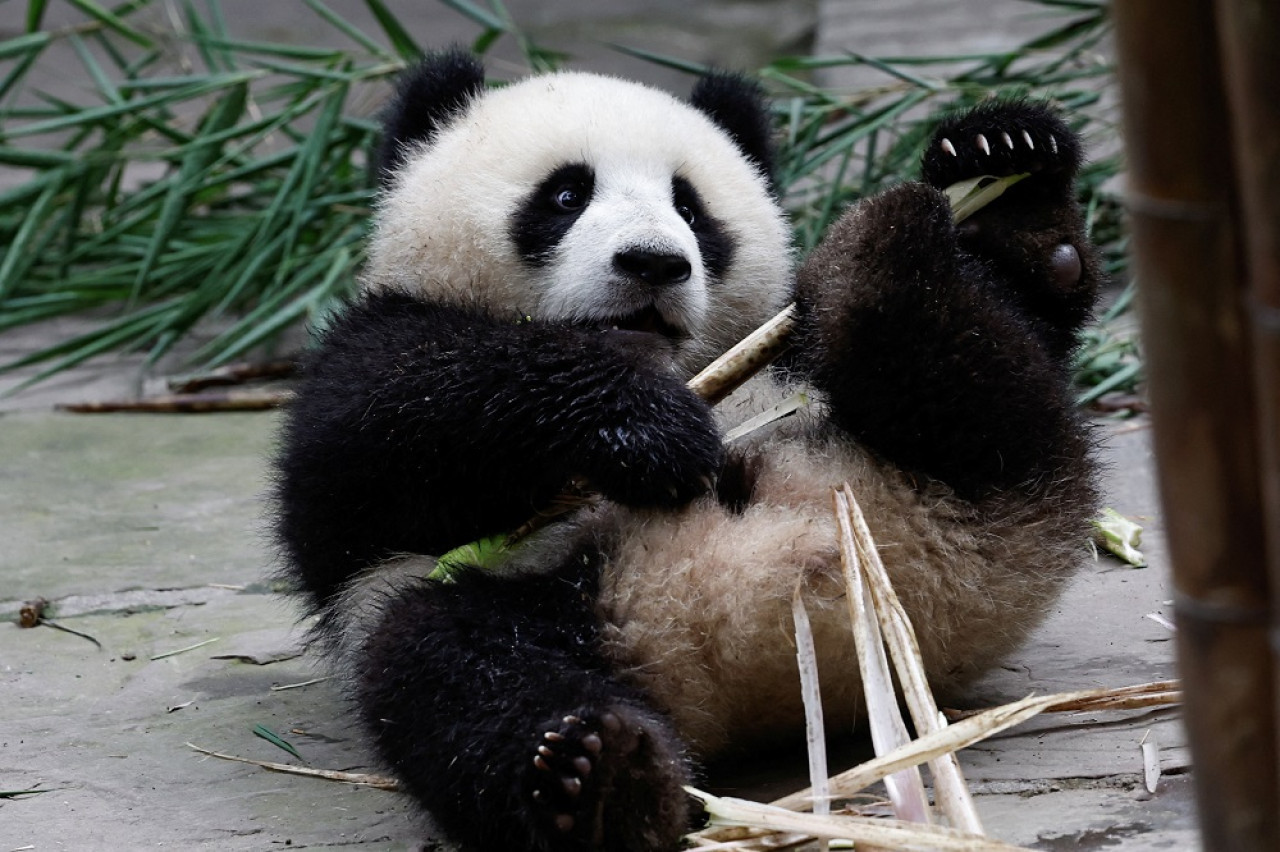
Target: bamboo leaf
<point>401,41</point>
<point>110,20</point>
<point>275,739</point>
<point>35,14</point>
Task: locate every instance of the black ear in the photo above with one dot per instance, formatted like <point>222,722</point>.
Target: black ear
<point>741,108</point>
<point>428,96</point>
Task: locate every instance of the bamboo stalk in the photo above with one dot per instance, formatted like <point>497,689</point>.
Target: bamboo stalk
<point>1190,271</point>
<point>1249,32</point>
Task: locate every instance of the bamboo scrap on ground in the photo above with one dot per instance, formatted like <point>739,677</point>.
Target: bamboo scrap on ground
<point>381,782</point>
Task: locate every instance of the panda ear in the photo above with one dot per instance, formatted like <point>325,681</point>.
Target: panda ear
<point>740,107</point>
<point>428,96</point>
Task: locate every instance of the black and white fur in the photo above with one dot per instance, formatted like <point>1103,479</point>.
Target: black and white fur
<point>551,261</point>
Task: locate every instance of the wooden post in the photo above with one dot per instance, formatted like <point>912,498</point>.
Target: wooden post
<point>1249,35</point>
<point>1188,238</point>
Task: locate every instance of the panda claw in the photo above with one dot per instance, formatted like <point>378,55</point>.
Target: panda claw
<point>982,143</point>
<point>553,736</point>
<point>541,764</point>
<point>1007,139</point>
<point>1027,138</point>
<point>946,145</point>
<point>1053,144</point>
<point>572,720</point>
<point>545,752</point>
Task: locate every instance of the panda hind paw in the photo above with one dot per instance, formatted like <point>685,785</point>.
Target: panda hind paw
<point>1002,138</point>
<point>605,780</point>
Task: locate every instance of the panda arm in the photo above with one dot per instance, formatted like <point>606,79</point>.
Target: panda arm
<point>419,427</point>
<point>946,349</point>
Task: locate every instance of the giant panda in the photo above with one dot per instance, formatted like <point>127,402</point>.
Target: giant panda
<point>550,261</point>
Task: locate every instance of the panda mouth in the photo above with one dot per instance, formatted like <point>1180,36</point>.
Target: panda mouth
<point>644,321</point>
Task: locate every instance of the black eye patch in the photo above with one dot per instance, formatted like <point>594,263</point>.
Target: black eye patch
<point>714,243</point>
<point>549,211</point>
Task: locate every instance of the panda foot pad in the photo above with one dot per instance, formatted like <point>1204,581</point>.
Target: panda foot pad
<point>575,764</point>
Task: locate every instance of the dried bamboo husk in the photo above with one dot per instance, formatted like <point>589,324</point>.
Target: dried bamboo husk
<point>1187,237</point>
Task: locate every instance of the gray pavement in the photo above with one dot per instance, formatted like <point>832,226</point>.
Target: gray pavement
<point>146,532</point>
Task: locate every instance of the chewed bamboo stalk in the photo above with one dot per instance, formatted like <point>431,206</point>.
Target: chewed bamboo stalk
<point>884,717</point>
<point>951,792</point>
<point>751,355</point>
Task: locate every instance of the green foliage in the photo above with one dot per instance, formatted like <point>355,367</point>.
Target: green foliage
<point>198,176</point>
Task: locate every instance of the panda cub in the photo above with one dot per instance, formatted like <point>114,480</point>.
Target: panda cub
<point>551,261</point>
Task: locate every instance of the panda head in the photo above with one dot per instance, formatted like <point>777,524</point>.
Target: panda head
<point>586,199</point>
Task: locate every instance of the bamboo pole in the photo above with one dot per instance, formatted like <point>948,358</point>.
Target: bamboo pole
<point>1183,202</point>
<point>1249,35</point>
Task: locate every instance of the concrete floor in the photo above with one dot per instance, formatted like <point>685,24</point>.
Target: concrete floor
<point>145,532</point>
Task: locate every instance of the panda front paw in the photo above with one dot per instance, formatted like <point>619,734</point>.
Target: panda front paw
<point>607,780</point>
<point>1002,138</point>
<point>663,454</point>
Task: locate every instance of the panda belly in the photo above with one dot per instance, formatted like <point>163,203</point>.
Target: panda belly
<point>696,606</point>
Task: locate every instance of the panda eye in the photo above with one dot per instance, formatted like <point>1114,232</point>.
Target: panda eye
<point>569,197</point>
<point>687,203</point>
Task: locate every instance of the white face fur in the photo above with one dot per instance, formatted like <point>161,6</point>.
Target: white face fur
<point>585,198</point>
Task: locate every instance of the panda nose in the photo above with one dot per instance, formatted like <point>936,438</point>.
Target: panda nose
<point>655,268</point>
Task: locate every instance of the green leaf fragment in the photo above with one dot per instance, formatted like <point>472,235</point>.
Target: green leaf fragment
<point>487,554</point>
<point>275,739</point>
<point>969,196</point>
<point>1121,536</point>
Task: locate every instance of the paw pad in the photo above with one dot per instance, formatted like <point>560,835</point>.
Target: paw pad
<point>567,779</point>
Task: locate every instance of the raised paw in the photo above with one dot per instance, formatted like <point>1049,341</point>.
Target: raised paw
<point>606,780</point>
<point>1002,138</point>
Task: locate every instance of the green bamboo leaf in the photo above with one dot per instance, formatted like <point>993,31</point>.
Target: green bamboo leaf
<point>94,116</point>
<point>35,14</point>
<point>24,45</point>
<point>401,41</point>
<point>275,739</point>
<point>19,256</point>
<point>266,48</point>
<point>224,113</point>
<point>112,21</point>
<point>32,158</point>
<point>348,29</point>
<point>481,16</point>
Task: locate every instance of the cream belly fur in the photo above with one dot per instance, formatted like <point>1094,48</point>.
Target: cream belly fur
<point>699,602</point>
